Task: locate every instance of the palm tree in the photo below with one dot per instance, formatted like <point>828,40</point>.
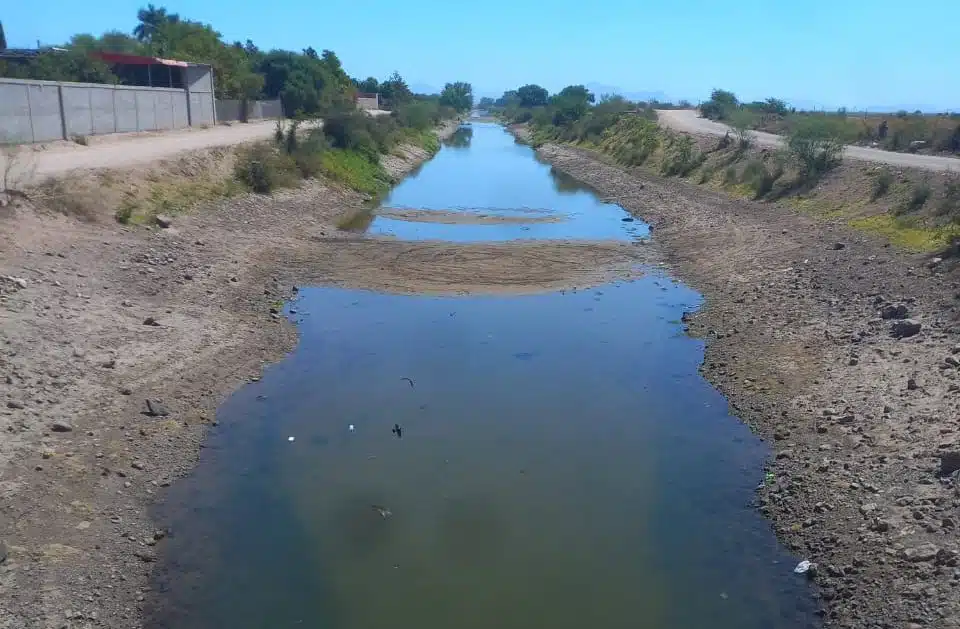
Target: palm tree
<point>151,19</point>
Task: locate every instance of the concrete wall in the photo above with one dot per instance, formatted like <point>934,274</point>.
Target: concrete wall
<point>199,85</point>
<point>42,111</point>
<point>368,103</point>
<point>258,109</point>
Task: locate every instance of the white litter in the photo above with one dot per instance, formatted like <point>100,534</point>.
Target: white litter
<point>802,567</point>
<point>291,438</point>
<point>350,427</point>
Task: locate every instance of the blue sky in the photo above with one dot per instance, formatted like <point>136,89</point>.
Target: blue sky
<point>854,53</point>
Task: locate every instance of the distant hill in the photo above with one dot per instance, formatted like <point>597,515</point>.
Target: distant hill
<point>599,89</point>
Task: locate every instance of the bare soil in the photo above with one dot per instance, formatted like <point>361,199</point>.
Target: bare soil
<point>96,318</point>
<point>858,419</point>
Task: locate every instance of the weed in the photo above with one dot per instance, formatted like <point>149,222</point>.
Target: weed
<point>918,197</point>
<point>817,148</point>
<point>356,171</point>
<point>278,133</point>
<point>124,213</point>
<point>262,169</point>
<point>631,141</point>
<point>81,140</point>
<point>682,158</point>
<point>950,204</point>
<point>881,183</point>
<point>758,178</point>
<point>908,234</point>
<point>729,176</point>
<point>290,142</point>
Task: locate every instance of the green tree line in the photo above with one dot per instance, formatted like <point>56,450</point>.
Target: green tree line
<point>307,82</point>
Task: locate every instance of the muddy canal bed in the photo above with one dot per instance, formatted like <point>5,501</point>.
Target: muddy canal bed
<point>548,460</point>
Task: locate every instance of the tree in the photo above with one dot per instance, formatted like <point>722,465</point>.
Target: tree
<point>571,104</point>
<point>510,98</point>
<point>151,20</point>
<point>532,96</point>
<point>486,103</point>
<point>395,91</point>
<point>370,85</point>
<point>458,96</point>
<point>3,38</point>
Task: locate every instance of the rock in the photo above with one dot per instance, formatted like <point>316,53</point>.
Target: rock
<point>61,426</point>
<point>868,508</point>
<point>923,552</point>
<point>14,404</point>
<point>138,465</point>
<point>3,551</point>
<point>163,221</point>
<point>894,311</point>
<point>949,462</point>
<point>110,364</point>
<point>155,408</point>
<point>952,361</point>
<point>626,219</point>
<point>912,384</point>
<point>151,321</point>
<point>126,391</point>
<point>837,246</point>
<point>905,328</point>
<point>145,555</point>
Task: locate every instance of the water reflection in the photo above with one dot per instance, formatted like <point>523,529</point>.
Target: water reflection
<point>460,138</point>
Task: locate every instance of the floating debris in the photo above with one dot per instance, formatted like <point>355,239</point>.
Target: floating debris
<point>383,511</point>
<point>291,438</point>
<point>408,380</point>
<point>397,430</point>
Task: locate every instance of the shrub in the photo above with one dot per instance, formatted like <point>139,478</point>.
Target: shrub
<point>881,183</point>
<point>309,154</point>
<point>816,147</point>
<point>918,197</point>
<point>757,177</point>
<point>632,140</point>
<point>262,169</point>
<point>729,176</point>
<point>742,121</point>
<point>950,204</point>
<point>290,142</point>
<point>278,133</point>
<point>682,158</point>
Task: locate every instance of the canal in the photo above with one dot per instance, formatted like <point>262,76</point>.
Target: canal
<point>548,460</point>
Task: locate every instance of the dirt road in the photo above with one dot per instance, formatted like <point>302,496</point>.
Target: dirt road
<point>36,163</point>
<point>688,121</point>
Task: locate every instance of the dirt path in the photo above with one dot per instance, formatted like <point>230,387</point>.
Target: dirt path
<point>36,163</point>
<point>801,324</point>
<point>688,121</point>
<point>96,318</point>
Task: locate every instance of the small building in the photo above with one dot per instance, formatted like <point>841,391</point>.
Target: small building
<point>368,101</point>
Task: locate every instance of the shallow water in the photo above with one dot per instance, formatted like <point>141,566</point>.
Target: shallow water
<point>561,462</point>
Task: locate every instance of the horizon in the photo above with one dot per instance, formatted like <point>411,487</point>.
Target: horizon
<point>865,67</point>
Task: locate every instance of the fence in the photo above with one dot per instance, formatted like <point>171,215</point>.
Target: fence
<point>256,109</point>
<point>42,111</point>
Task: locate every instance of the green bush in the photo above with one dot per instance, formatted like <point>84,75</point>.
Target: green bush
<point>351,131</point>
<point>262,169</point>
<point>817,148</point>
<point>729,176</point>
<point>758,178</point>
<point>881,183</point>
<point>918,197</point>
<point>950,204</point>
<point>681,158</point>
<point>632,140</point>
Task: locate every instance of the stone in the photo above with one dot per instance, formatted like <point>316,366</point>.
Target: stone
<point>151,321</point>
<point>905,328</point>
<point>109,364</point>
<point>921,553</point>
<point>145,555</point>
<point>138,465</point>
<point>949,462</point>
<point>61,426</point>
<point>126,391</point>
<point>163,221</point>
<point>953,361</point>
<point>14,404</point>
<point>912,384</point>
<point>3,551</point>
<point>155,408</point>
<point>894,311</point>
<point>837,246</point>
